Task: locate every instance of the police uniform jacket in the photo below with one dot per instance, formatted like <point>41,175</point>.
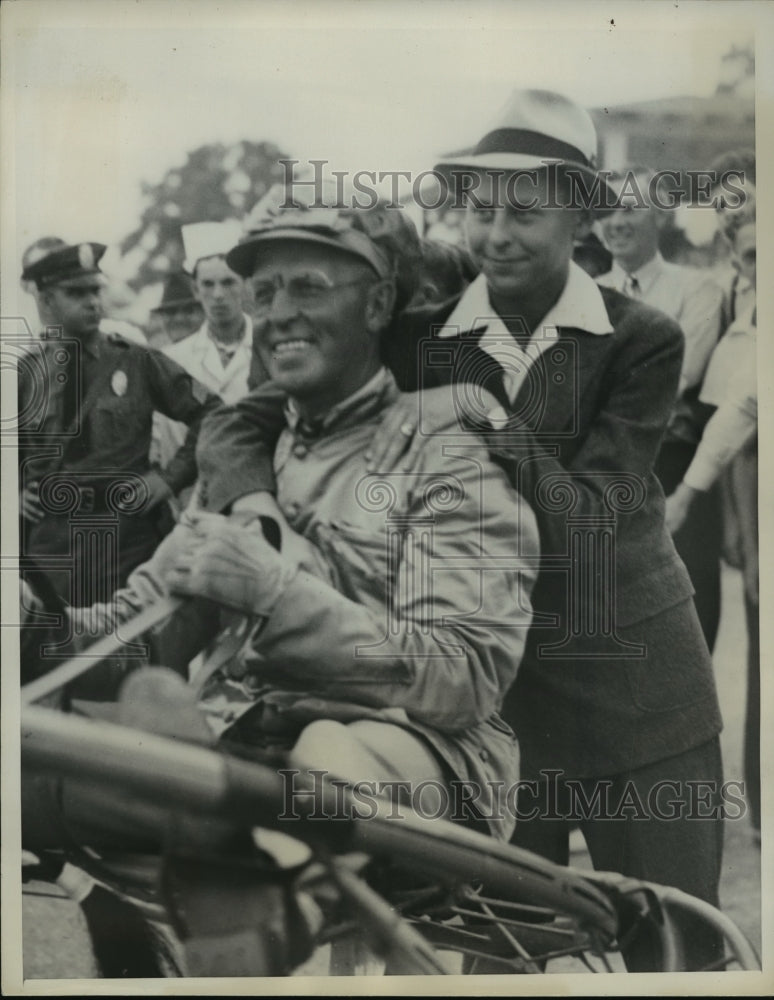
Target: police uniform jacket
<point>122,384</point>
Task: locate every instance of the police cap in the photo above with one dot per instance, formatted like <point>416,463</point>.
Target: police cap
<point>65,264</point>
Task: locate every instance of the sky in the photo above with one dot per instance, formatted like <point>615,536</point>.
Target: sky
<point>100,96</point>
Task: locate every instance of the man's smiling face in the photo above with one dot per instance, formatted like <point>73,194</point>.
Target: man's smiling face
<point>313,321</point>
<point>632,232</point>
<point>518,239</point>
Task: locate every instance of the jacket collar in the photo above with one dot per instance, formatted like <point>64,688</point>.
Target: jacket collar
<point>246,338</point>
<point>92,346</point>
<point>371,398</point>
<point>204,346</point>
<point>580,306</point>
<point>646,275</point>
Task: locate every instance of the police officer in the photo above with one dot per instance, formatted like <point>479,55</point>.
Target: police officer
<point>90,503</point>
<point>41,248</point>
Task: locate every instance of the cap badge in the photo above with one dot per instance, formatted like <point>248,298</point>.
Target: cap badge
<point>119,383</point>
<point>86,257</point>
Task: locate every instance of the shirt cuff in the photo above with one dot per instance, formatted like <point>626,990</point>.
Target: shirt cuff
<point>218,493</point>
<point>702,472</point>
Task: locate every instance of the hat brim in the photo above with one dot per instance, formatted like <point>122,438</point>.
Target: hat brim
<point>602,200</point>
<point>77,280</point>
<point>175,304</point>
<point>241,259</point>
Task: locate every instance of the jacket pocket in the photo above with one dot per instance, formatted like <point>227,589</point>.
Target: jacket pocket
<point>501,726</point>
<point>676,670</point>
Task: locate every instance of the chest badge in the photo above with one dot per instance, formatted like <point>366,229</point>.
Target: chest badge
<point>119,383</point>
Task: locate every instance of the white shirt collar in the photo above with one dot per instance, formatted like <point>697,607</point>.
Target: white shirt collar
<point>645,275</point>
<point>245,340</point>
<point>580,306</point>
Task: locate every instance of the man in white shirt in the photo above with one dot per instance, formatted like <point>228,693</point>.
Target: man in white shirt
<point>686,294</point>
<point>693,299</point>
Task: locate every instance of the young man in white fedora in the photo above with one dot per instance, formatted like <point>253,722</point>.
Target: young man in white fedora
<point>614,703</point>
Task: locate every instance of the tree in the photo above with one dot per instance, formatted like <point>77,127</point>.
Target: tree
<point>216,182</point>
<point>738,71</point>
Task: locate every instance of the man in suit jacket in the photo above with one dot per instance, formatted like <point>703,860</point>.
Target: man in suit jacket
<point>614,704</point>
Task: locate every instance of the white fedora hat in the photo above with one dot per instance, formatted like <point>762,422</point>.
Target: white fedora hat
<point>535,128</point>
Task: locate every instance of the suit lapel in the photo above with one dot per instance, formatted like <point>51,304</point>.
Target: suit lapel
<point>474,364</point>
<point>212,369</point>
<point>233,368</point>
<point>549,398</point>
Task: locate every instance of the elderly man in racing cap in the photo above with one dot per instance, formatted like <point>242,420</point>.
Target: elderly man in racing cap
<point>380,624</point>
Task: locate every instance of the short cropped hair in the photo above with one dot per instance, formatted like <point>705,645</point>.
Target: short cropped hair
<point>212,256</point>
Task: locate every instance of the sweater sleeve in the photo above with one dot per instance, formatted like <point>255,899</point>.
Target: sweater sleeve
<point>235,447</point>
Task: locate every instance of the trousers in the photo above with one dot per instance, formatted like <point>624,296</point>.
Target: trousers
<point>661,823</point>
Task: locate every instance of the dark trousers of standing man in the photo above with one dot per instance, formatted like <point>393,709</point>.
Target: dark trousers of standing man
<point>623,834</point>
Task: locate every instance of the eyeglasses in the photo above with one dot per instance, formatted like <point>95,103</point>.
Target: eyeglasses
<point>304,291</point>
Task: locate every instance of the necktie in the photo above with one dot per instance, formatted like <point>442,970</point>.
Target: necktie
<point>225,351</point>
<point>632,287</point>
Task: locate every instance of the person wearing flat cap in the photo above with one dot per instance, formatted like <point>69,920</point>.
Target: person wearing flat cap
<point>345,654</point>
<point>615,693</point>
<point>86,401</point>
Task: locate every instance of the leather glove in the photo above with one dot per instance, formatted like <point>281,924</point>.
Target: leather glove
<point>231,564</point>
